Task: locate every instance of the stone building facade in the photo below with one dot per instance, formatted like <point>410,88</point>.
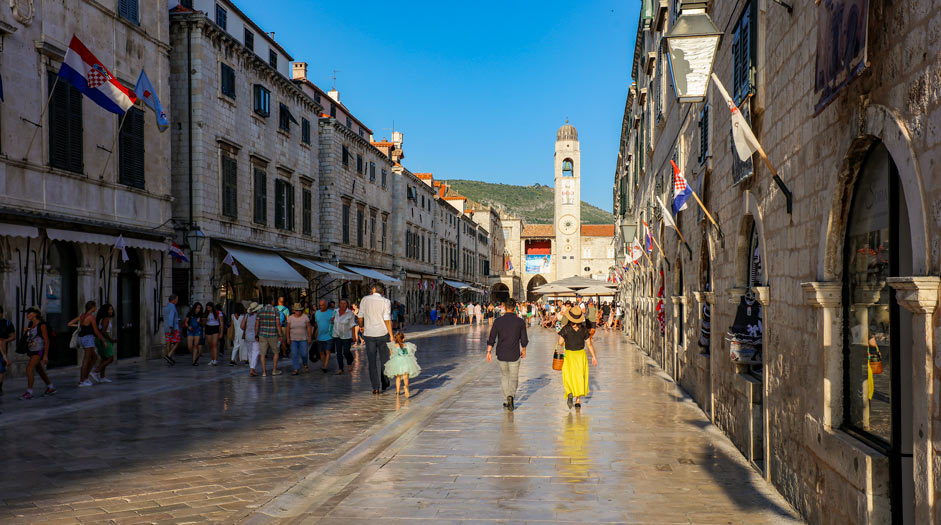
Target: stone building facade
<point>71,183</point>
<point>840,411</point>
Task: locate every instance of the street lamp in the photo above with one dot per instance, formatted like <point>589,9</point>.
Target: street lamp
<point>692,44</point>
<point>628,231</point>
<point>195,238</point>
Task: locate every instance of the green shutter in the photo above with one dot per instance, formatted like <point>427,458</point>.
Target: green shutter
<point>131,149</point>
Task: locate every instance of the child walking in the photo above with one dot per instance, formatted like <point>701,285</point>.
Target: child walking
<point>402,364</point>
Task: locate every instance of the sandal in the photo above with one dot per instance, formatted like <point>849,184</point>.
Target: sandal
<point>294,373</point>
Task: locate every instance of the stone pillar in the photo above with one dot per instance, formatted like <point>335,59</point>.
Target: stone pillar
<point>679,307</point>
<point>827,298</point>
<point>919,295</point>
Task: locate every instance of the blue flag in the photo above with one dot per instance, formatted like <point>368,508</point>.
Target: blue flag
<point>145,92</point>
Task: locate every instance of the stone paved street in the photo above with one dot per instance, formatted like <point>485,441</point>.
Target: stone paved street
<point>182,444</point>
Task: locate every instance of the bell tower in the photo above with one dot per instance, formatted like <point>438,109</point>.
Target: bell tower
<point>568,198</point>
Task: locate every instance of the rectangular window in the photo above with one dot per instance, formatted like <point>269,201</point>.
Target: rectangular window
<point>383,247</point>
<point>306,211</point>
<point>349,122</point>
<point>333,111</point>
<point>305,130</point>
<point>262,100</point>
<point>273,58</point>
<point>249,40</point>
<point>317,97</point>
<point>129,10</point>
<point>227,80</point>
<point>704,134</point>
<point>372,233</point>
<point>220,16</point>
<point>384,175</point>
<point>261,196</point>
<point>285,118</point>
<point>346,157</point>
<point>283,205</point>
<point>359,164</point>
<point>131,149</point>
<point>743,63</point>
<point>229,186</point>
<point>372,172</point>
<point>65,126</point>
<point>741,170</point>
<point>346,223</point>
<point>659,98</point>
<point>360,224</point>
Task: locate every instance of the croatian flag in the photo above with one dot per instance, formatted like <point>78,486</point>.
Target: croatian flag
<point>509,265</point>
<point>87,74</point>
<point>636,251</point>
<point>681,190</point>
<point>648,239</point>
<point>177,253</point>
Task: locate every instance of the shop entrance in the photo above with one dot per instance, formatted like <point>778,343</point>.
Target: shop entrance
<point>499,293</point>
<point>61,296</point>
<point>127,310</point>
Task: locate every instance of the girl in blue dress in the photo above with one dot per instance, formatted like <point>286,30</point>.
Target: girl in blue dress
<point>402,364</point>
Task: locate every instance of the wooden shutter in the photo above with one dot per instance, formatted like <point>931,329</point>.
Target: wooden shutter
<point>229,186</point>
<point>742,55</point>
<point>261,197</point>
<point>131,149</point>
<point>290,208</point>
<point>128,9</point>
<point>704,134</point>
<point>307,203</point>
<point>279,203</point>
<point>346,224</point>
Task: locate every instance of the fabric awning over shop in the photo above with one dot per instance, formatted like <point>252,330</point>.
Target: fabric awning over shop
<point>269,268</point>
<point>457,284</point>
<point>107,240</point>
<point>374,274</point>
<point>327,268</point>
<point>19,230</point>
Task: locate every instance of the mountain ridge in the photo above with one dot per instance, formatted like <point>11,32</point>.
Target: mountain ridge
<point>534,204</point>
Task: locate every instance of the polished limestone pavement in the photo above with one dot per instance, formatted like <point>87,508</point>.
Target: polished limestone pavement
<point>185,444</point>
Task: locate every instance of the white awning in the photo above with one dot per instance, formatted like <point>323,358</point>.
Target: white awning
<point>107,240</point>
<point>19,230</point>
<point>457,284</point>
<point>269,268</point>
<point>322,267</point>
<point>373,274</point>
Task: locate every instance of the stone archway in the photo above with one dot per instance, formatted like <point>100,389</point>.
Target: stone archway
<point>499,293</point>
<point>536,280</point>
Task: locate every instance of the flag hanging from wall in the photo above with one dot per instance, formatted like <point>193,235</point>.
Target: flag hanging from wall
<point>177,253</point>
<point>146,93</point>
<point>746,144</point>
<point>87,74</point>
<point>120,245</point>
<point>681,190</point>
<point>229,260</point>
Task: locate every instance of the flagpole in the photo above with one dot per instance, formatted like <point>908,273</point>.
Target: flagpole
<point>41,115</point>
<point>114,144</point>
<point>703,206</point>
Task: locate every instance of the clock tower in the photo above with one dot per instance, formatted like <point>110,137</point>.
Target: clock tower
<point>568,198</point>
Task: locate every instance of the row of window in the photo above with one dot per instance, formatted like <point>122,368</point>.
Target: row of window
<point>362,167</point>
<point>261,103</point>
<point>448,254</point>
<point>248,37</point>
<point>417,246</point>
<point>364,227</point>
<point>284,197</point>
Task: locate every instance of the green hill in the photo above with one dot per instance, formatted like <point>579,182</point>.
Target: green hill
<point>534,204</point>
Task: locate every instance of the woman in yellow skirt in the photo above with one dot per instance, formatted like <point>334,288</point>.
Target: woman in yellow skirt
<point>575,336</point>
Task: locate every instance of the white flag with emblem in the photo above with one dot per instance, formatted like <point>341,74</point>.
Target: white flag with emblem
<point>746,144</point>
<point>231,262</point>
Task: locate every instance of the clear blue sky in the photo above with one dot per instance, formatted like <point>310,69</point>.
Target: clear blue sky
<point>478,89</point>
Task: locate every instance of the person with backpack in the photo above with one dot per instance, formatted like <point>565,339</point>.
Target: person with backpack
<point>35,344</point>
<point>7,334</point>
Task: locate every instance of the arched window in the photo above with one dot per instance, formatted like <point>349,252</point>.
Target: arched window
<point>875,344</point>
<point>567,168</point>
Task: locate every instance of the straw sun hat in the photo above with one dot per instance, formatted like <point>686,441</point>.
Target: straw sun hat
<point>575,315</point>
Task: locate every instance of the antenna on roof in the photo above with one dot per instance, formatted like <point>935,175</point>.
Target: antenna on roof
<point>334,77</point>
<point>566,120</point>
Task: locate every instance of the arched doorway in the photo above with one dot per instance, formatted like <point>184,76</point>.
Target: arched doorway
<point>536,281</point>
<point>499,293</point>
<point>877,335</point>
<point>127,309</point>
<point>61,297</point>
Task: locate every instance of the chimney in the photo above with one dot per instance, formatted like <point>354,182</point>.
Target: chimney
<point>300,71</point>
<point>335,95</point>
<point>397,139</point>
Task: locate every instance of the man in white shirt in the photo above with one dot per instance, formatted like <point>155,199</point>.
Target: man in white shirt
<point>375,320</point>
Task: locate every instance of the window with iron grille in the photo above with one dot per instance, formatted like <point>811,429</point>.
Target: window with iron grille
<point>743,62</point>
<point>226,80</point>
<point>306,211</point>
<point>384,175</point>
<point>65,126</point>
<point>220,16</point>
<point>131,149</point>
<point>230,203</point>
<point>305,130</point>
<point>249,40</point>
<point>704,134</point>
<point>372,172</point>
<point>262,100</point>
<point>273,58</point>
<point>359,164</point>
<point>283,205</point>
<point>260,196</point>
<point>129,10</point>
<point>346,223</point>
<point>346,157</point>
<point>360,225</point>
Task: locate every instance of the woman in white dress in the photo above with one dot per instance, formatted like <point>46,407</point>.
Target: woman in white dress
<point>239,352</point>
<point>249,339</point>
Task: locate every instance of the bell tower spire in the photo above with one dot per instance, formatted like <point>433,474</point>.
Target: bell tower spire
<point>568,198</point>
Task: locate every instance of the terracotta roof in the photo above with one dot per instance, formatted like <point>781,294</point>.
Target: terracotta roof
<point>538,230</point>
<point>455,198</point>
<point>383,143</point>
<point>598,230</point>
<point>425,176</point>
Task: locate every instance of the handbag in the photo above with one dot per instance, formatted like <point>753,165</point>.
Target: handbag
<point>558,358</point>
<point>73,342</point>
<point>22,344</point>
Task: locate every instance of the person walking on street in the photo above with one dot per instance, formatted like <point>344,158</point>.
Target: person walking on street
<point>575,337</point>
<point>171,328</point>
<point>214,327</point>
<point>87,332</point>
<point>402,364</point>
<point>194,330</point>
<point>298,334</point>
<point>375,319</point>
<point>343,322</point>
<point>36,341</point>
<point>284,312</point>
<point>238,335</point>
<point>104,344</point>
<point>249,323</point>
<point>7,334</point>
<point>323,318</point>
<point>508,334</point>
<point>268,329</point>
<point>357,332</point>
<point>478,313</point>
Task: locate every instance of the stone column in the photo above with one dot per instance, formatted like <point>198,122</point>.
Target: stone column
<point>679,306</point>
<point>827,298</point>
<point>763,296</point>
<point>919,295</point>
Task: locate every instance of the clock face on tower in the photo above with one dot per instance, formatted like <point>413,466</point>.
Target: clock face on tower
<point>568,224</point>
